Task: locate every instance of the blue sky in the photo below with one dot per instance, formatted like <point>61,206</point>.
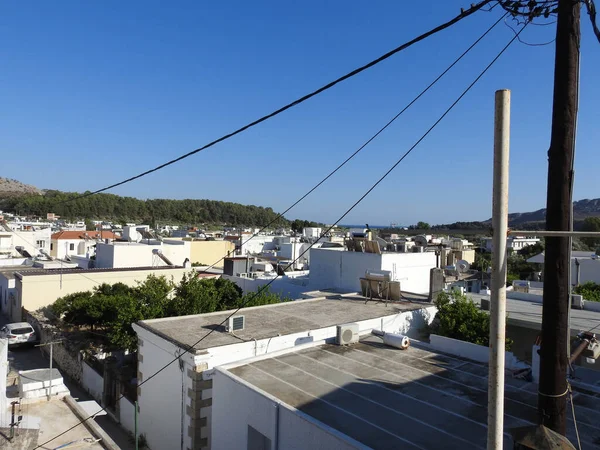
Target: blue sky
<point>94,92</point>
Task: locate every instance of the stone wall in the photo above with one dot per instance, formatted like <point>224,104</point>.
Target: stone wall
<point>66,355</point>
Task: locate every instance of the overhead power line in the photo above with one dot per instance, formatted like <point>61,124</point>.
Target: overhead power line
<point>462,15</point>
<point>266,286</point>
<point>368,141</point>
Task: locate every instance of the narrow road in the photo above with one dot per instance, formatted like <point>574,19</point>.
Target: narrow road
<point>28,358</point>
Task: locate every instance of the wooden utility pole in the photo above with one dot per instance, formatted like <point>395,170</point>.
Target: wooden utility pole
<point>552,397</point>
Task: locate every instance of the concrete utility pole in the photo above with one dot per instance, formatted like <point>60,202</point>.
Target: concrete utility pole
<point>552,396</point>
<point>51,344</point>
<point>499,269</point>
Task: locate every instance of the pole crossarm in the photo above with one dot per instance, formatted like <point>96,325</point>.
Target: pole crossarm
<point>554,233</point>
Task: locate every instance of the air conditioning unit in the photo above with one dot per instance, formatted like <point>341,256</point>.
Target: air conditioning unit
<point>236,323</point>
<point>577,301</point>
<point>347,334</point>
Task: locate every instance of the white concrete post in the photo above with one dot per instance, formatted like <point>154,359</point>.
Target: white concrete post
<point>498,293</point>
<point>3,375</point>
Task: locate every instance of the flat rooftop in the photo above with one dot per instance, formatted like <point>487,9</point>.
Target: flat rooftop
<point>52,418</point>
<point>263,322</point>
<point>387,398</point>
<point>528,314</point>
<point>30,272</point>
<point>9,271</point>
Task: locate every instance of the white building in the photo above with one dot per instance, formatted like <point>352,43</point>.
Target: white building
<point>585,266</point>
<point>292,285</point>
<point>342,270</point>
<point>365,395</point>
<point>146,253</point>
<point>514,243</point>
<point>312,232</point>
<point>78,243</point>
<point>135,233</point>
<point>252,245</point>
<point>24,242</point>
<point>176,403</point>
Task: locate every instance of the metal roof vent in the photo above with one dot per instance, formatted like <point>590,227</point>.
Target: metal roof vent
<point>236,323</point>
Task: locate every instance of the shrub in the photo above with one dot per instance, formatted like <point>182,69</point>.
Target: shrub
<point>590,291</point>
<point>459,318</point>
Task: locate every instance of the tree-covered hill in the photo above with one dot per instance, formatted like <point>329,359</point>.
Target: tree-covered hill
<point>129,209</point>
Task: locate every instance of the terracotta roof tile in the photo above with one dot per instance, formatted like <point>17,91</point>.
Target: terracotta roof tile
<point>72,235</point>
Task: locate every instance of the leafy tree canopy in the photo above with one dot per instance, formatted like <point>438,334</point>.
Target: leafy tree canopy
<point>459,318</point>
<point>589,291</point>
<point>591,224</point>
<point>114,308</point>
<point>129,209</point>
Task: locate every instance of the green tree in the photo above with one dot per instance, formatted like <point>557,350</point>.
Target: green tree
<point>89,225</point>
<point>589,291</point>
<point>262,297</point>
<point>116,307</point>
<point>423,226</point>
<point>482,262</point>
<point>591,224</point>
<point>531,250</point>
<point>196,295</point>
<point>459,318</point>
<point>153,296</point>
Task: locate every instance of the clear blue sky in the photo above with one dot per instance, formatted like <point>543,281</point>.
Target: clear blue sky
<point>93,92</point>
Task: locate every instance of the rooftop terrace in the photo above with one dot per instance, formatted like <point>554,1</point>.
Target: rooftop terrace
<point>264,322</point>
<point>385,398</point>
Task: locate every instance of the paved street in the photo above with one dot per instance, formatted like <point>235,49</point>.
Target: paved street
<point>27,358</point>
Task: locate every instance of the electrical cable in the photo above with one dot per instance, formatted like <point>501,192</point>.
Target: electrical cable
<point>349,158</point>
<point>464,13</point>
<point>371,139</point>
<point>262,288</point>
<point>574,419</point>
<point>390,122</point>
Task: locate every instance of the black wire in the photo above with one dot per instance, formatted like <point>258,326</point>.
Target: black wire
<point>404,46</point>
<point>372,138</point>
<point>264,287</point>
<point>531,44</point>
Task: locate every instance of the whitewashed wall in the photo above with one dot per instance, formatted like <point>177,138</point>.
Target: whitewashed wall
<point>342,269</point>
<point>239,405</point>
<point>127,414</point>
<point>411,269</point>
<point>163,399</point>
<point>284,286</point>
<point>92,382</point>
<point>3,373</point>
<point>160,407</point>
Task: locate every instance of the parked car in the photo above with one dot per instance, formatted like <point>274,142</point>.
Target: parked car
<point>20,333</point>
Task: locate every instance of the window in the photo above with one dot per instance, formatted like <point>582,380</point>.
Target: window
<point>40,244</point>
<point>71,247</point>
<point>51,246</point>
<point>257,440</point>
<point>25,330</point>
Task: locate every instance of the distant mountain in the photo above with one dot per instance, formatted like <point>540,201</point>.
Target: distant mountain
<point>22,199</point>
<point>581,210</point>
<point>9,187</point>
<point>530,220</point>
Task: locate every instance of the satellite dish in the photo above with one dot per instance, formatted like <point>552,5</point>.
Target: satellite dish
<point>382,242</point>
<point>462,266</point>
<point>420,240</point>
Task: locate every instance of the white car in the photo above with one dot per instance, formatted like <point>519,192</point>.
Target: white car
<point>18,333</point>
